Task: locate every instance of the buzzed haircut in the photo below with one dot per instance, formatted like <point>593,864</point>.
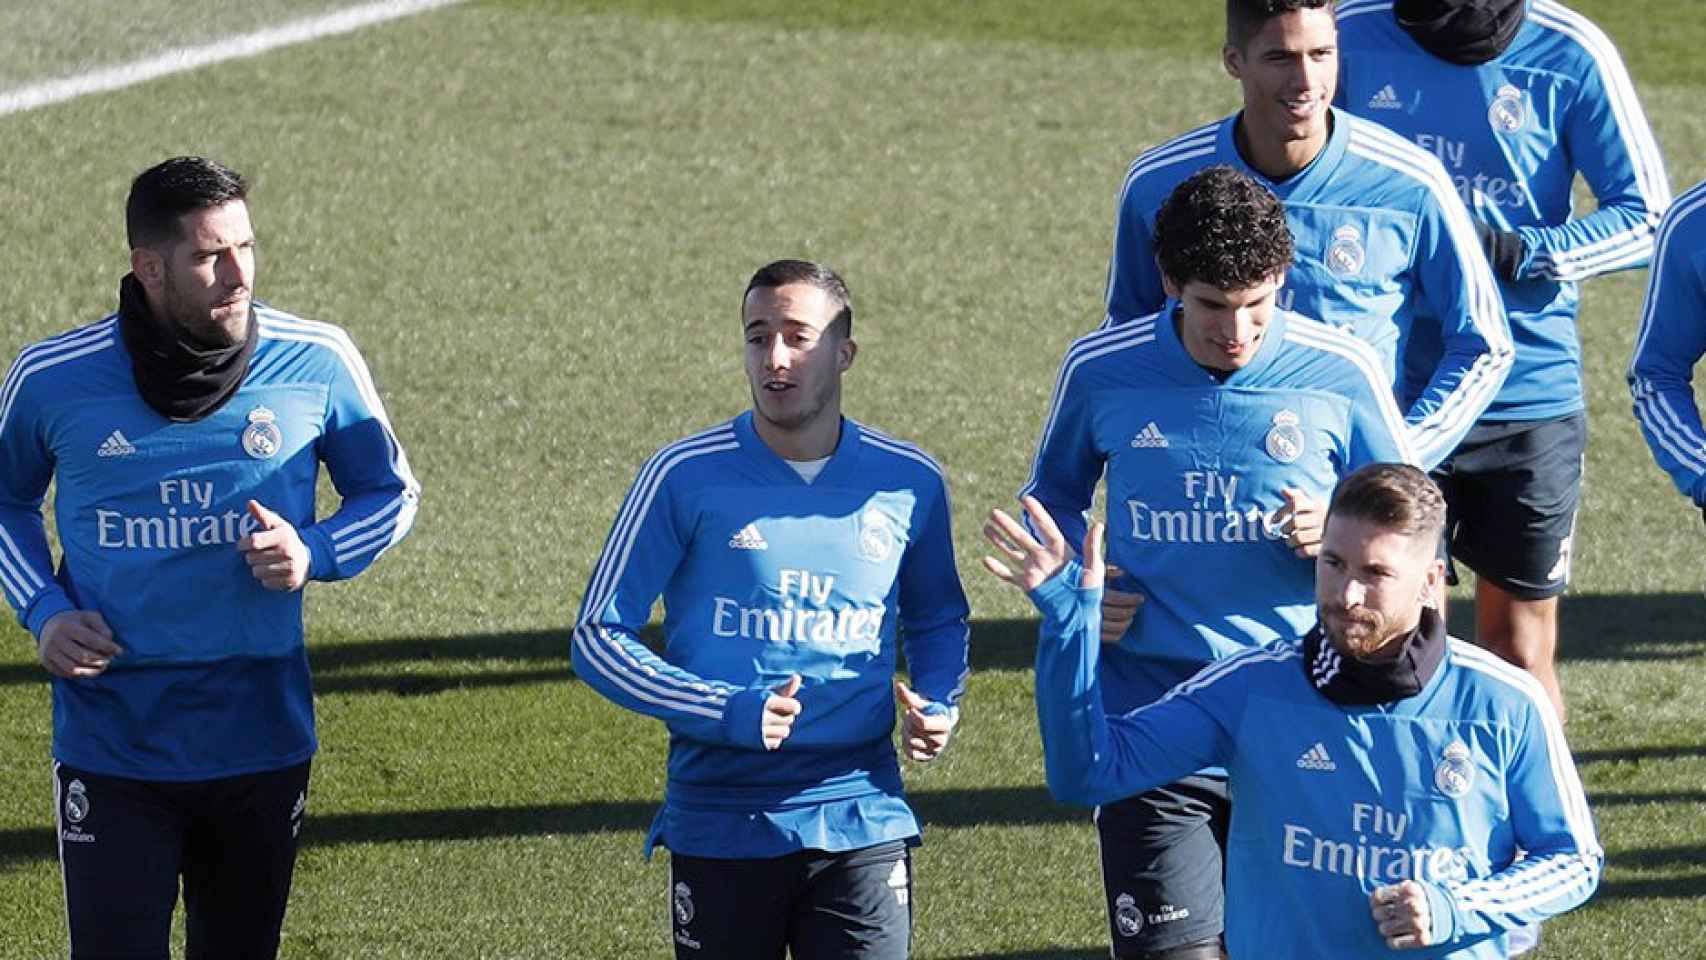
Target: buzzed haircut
<point>780,273</point>
<point>1244,18</point>
<point>163,193</point>
<point>1224,229</point>
<point>1393,496</point>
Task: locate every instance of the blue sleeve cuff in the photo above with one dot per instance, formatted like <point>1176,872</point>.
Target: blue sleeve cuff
<point>50,604</point>
<point>1442,920</point>
<point>322,562</point>
<point>741,715</point>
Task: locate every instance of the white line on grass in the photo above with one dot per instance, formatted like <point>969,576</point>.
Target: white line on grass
<point>182,59</point>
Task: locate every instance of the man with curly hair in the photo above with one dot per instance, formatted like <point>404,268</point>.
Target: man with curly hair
<point>1220,425</point>
<point>1384,244</point>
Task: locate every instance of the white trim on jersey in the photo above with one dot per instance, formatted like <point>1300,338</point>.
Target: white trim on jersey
<point>396,516</point>
<point>1305,332</point>
<point>283,326</point>
<point>1356,8</point>
<point>1529,884</point>
<point>1690,203</point>
<point>606,653</point>
<point>1215,671</point>
<point>1564,777</point>
<point>901,448</point>
<point>1632,124</point>
<point>1193,145</point>
<point>1095,344</point>
<point>81,342</point>
<point>1481,382</point>
<point>23,581</point>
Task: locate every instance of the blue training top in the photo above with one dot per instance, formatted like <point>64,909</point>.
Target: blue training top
<point>764,575</point>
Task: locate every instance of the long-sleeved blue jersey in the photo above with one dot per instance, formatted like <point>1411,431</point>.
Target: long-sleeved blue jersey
<point>1384,247</point>
<point>763,576</point>
<point>1671,341</point>
<point>1513,133</point>
<point>1194,470</point>
<point>1332,801</point>
<point>213,680</point>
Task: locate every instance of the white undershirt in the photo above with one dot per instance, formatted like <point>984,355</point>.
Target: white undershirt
<point>808,469</point>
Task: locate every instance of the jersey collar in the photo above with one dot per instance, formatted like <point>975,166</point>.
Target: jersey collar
<point>1304,182</point>
<point>840,462</point>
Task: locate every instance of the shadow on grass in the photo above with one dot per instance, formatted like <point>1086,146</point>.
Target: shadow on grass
<point>939,809</point>
<point>1595,627</point>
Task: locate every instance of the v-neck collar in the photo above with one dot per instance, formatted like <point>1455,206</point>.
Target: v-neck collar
<point>1303,181</point>
<point>1168,333</point>
<point>841,461</point>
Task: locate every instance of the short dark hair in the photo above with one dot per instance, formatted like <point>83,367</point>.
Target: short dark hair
<point>1224,229</point>
<point>780,273</point>
<point>1392,496</point>
<point>1244,18</point>
<point>163,193</point>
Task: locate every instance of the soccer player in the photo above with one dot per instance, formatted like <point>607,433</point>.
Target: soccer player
<point>1671,341</point>
<point>1384,246</point>
<point>1517,97</point>
<point>791,545</point>
<point>184,434</point>
<point>1220,426</point>
<point>1386,773</point>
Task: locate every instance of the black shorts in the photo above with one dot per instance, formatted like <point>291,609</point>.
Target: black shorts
<point>124,844</point>
<point>818,905</point>
<point>1163,865</point>
<point>1511,492</point>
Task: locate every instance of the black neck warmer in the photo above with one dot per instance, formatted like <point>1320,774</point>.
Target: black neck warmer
<point>1352,682</point>
<point>180,377</point>
<point>1464,32</point>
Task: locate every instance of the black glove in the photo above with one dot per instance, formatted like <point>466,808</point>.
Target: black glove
<point>1504,251</point>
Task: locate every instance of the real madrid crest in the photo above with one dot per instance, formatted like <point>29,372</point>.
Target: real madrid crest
<point>261,438</point>
<point>76,802</point>
<point>1345,255</point>
<point>1127,917</point>
<point>1285,437</point>
<point>683,904</point>
<point>1508,112</point>
<point>1455,773</point>
<point>876,536</point>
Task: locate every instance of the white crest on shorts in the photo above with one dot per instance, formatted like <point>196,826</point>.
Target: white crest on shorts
<point>1345,255</point>
<point>1127,917</point>
<point>76,802</point>
<point>1508,112</point>
<point>1285,438</point>
<point>683,904</point>
<point>876,536</point>
<point>1455,773</point>
<point>898,882</point>
<point>262,438</point>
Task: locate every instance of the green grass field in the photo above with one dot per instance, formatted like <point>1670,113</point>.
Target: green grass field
<point>536,218</point>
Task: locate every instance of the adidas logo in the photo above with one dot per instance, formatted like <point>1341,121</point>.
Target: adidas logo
<point>1150,437</point>
<point>1315,758</point>
<point>115,445</point>
<point>1386,99</point>
<point>748,538</point>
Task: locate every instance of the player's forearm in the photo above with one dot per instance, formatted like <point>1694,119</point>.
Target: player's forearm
<point>937,657</point>
<point>1612,238</point>
<point>1468,378</point>
<point>26,567</point>
<point>1670,423</point>
<point>364,526</point>
<point>612,661</point>
<point>1534,888</point>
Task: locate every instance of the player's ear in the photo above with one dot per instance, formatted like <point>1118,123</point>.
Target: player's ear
<point>1233,60</point>
<point>1172,287</point>
<point>149,265</point>
<point>845,351</point>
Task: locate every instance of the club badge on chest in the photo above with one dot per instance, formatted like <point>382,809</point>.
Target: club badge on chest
<point>261,438</point>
